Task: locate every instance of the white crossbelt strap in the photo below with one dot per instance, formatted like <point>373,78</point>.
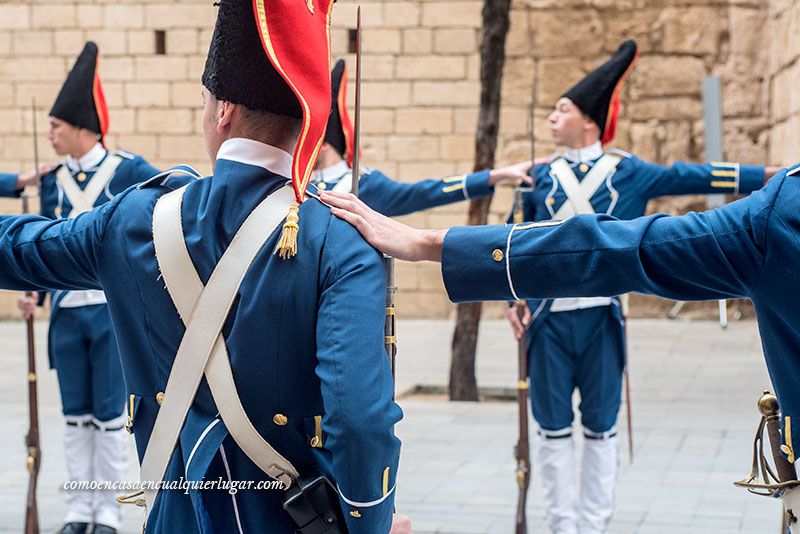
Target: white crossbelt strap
<point>345,185</point>
<point>579,194</point>
<point>83,200</point>
<point>202,349</point>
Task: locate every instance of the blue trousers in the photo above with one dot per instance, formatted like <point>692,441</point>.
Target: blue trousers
<point>581,349</point>
<point>85,355</point>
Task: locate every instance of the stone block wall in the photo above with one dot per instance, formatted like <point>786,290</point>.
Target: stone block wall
<point>784,80</point>
<point>421,85</point>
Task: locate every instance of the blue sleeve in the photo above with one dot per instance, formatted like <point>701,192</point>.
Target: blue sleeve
<point>8,185</point>
<point>697,178</point>
<point>698,256</point>
<point>39,253</point>
<point>391,198</point>
<point>356,379</point>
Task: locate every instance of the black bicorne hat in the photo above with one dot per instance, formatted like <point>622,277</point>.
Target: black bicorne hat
<point>237,69</point>
<point>81,101</point>
<point>334,133</point>
<point>597,94</point>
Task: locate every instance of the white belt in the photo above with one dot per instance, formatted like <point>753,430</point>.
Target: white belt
<point>77,299</point>
<point>580,303</point>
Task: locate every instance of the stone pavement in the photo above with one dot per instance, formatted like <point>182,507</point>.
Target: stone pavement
<point>694,392</point>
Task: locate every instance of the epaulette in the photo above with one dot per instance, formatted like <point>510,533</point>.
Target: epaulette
<point>162,178</point>
<point>620,153</point>
<point>123,154</point>
<point>794,171</point>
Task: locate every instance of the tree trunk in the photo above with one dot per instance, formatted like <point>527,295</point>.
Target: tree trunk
<point>463,385</point>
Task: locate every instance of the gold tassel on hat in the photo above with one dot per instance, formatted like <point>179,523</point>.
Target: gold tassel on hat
<point>287,245</point>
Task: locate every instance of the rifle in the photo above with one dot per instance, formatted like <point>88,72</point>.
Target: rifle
<point>33,460</point>
<point>626,375</point>
<point>522,450</point>
<point>390,328</point>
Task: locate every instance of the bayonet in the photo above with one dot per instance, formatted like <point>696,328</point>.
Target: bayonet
<point>357,115</point>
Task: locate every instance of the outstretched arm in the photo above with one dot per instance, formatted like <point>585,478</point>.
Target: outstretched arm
<point>709,255</point>
<point>11,185</point>
<point>39,253</point>
<point>700,178</point>
<point>392,198</point>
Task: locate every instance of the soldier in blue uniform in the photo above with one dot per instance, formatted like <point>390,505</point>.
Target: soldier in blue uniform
<point>266,381</point>
<point>81,343</point>
<point>334,169</point>
<point>579,342</point>
<point>746,249</point>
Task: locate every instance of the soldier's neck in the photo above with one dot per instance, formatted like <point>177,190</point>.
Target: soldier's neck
<point>328,158</point>
<point>86,158</point>
<point>584,153</point>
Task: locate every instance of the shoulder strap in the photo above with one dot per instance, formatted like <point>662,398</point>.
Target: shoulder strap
<point>794,171</point>
<point>83,200</point>
<point>580,200</point>
<point>161,178</point>
<point>202,349</point>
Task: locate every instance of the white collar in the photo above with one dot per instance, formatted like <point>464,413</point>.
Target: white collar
<point>332,173</point>
<point>586,154</point>
<point>252,152</point>
<point>89,160</point>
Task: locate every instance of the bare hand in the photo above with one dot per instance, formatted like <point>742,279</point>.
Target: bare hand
<point>513,318</point>
<point>27,305</point>
<point>513,173</point>
<point>387,235</point>
<point>400,525</point>
<point>32,177</point>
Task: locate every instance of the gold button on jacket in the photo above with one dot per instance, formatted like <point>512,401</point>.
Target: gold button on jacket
<point>280,419</point>
<point>497,255</point>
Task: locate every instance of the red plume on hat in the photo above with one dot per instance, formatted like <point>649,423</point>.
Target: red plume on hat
<point>295,35</point>
<point>100,102</point>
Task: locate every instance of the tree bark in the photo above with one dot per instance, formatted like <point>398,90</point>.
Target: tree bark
<point>463,384</point>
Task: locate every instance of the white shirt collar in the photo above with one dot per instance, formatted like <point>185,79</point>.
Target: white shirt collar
<point>252,152</point>
<point>586,154</point>
<point>89,160</point>
<point>332,173</point>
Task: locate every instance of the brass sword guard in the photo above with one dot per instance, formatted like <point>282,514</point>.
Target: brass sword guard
<point>762,479</point>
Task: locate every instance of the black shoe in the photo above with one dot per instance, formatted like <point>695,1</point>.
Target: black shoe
<point>74,528</point>
<point>103,529</point>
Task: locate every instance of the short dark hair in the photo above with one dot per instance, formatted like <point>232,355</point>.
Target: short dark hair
<point>269,127</point>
